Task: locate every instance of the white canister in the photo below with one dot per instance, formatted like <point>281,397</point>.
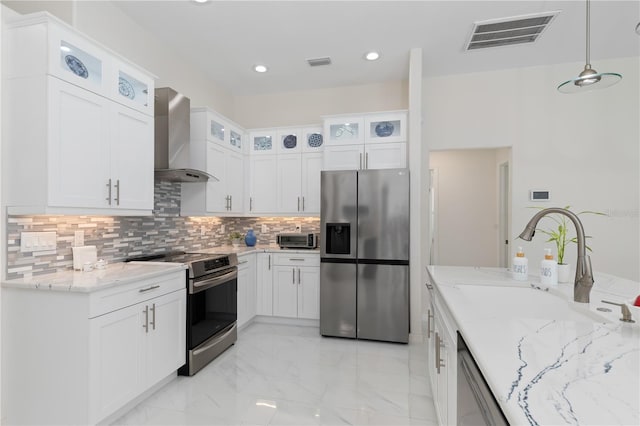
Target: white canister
<point>548,270</point>
<point>520,266</point>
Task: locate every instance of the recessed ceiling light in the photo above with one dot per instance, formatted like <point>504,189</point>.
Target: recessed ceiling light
<point>201,1</point>
<point>371,56</point>
<point>260,68</point>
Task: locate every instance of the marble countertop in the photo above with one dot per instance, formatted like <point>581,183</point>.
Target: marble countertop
<point>547,359</point>
<point>98,279</point>
<point>242,250</point>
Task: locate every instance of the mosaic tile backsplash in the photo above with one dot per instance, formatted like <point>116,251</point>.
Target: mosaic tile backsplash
<point>119,237</point>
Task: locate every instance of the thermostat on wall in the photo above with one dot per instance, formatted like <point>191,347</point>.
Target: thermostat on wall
<point>539,195</point>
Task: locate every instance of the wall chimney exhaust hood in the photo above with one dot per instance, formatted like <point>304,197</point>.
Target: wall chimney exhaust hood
<point>172,135</point>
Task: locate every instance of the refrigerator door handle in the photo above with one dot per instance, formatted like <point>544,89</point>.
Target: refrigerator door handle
<point>360,167</point>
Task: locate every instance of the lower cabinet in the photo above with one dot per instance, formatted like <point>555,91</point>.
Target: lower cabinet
<point>247,291</point>
<point>296,286</point>
<point>264,284</point>
<point>442,362</point>
<point>79,357</point>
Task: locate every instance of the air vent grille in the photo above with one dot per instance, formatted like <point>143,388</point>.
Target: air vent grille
<point>509,31</point>
<point>318,62</point>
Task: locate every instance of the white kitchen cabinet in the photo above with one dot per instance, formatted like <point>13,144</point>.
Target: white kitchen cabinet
<point>73,143</point>
<point>263,175</point>
<point>263,142</point>
<point>102,349</point>
<point>442,359</point>
<point>225,196</point>
<point>207,124</point>
<point>134,348</point>
<point>247,290</point>
<point>381,141</point>
<point>299,183</point>
<point>296,285</point>
<point>264,284</point>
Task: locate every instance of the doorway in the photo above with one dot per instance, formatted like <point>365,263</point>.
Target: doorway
<point>469,195</point>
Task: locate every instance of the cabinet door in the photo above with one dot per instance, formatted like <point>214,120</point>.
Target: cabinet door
<point>312,139</point>
<point>344,130</point>
<point>289,141</point>
<point>386,127</point>
<point>441,368</point>
<point>133,89</point>
<point>263,184</point>
<point>116,360</point>
<point>131,159</point>
<point>348,157</point>
<point>385,156</point>
<point>217,200</point>
<point>264,284</point>
<point>243,315</point>
<point>309,292</point>
<point>234,178</point>
<point>252,291</point>
<point>311,168</point>
<point>285,291</point>
<point>166,336</point>
<point>289,183</point>
<point>262,142</point>
<point>78,147</point>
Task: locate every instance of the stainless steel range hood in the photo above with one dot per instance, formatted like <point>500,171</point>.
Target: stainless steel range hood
<point>172,135</point>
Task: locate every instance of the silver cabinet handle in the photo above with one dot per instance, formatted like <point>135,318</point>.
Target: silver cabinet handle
<point>429,318</point>
<point>153,316</point>
<point>230,202</point>
<point>146,319</point>
<point>360,162</point>
<point>439,362</point>
<point>269,262</point>
<point>293,275</point>
<point>244,261</point>
<point>250,203</point>
<point>142,290</point>
<point>117,199</point>
<point>109,193</point>
<point>298,203</point>
<point>299,278</point>
<point>302,203</point>
<point>297,259</point>
<point>366,160</point>
<point>429,286</point>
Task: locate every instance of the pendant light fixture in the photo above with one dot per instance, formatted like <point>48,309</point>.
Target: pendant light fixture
<point>589,79</point>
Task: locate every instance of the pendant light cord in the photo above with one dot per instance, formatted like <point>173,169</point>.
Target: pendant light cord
<point>588,34</point>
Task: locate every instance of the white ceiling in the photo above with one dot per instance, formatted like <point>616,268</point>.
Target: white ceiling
<point>226,38</point>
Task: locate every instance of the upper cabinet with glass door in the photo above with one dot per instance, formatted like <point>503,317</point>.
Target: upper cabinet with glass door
<point>263,141</point>
<point>207,124</point>
<point>289,140</point>
<point>386,127</point>
<point>76,59</point>
<point>344,130</point>
<point>312,139</point>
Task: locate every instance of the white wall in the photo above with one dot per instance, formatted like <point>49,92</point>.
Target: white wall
<point>108,25</point>
<point>467,205</point>
<point>584,147</point>
<point>306,106</point>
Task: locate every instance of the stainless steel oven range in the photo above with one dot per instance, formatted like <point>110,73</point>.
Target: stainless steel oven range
<point>212,305</point>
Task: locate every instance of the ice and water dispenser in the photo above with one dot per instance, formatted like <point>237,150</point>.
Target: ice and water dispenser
<point>338,238</point>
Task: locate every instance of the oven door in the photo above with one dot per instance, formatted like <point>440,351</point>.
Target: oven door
<point>212,305</point>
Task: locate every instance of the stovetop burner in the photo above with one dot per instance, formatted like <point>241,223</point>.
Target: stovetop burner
<point>199,263</point>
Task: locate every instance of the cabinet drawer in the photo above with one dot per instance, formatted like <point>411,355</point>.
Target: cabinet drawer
<point>296,259</point>
<point>118,297</point>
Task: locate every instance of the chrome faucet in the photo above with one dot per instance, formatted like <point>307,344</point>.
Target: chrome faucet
<point>584,277</point>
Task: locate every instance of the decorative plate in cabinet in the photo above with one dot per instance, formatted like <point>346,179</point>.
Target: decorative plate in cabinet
<point>79,65</point>
<point>134,91</point>
<point>343,130</point>
<point>388,127</point>
<point>288,141</point>
<point>262,142</point>
<point>312,139</point>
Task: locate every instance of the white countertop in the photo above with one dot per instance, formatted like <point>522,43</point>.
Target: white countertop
<point>242,250</point>
<point>547,359</point>
<point>98,279</point>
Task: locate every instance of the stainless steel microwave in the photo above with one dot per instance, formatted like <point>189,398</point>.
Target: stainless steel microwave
<point>298,241</point>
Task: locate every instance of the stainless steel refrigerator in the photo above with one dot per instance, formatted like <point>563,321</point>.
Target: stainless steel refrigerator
<point>364,254</point>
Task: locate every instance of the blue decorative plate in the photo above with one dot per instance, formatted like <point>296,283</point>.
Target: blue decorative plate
<point>384,129</point>
<point>125,88</point>
<point>290,141</point>
<point>315,140</point>
<point>76,66</point>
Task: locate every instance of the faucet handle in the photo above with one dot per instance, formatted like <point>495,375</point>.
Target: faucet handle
<point>626,313</point>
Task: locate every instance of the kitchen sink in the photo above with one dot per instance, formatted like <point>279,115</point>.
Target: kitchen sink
<point>527,302</point>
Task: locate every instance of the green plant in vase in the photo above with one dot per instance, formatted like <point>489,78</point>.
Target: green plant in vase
<point>560,236</point>
<point>235,238</point>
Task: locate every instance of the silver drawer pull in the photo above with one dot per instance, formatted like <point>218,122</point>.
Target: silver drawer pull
<point>153,316</point>
<point>142,290</point>
<point>244,261</point>
<point>297,259</point>
<point>146,319</point>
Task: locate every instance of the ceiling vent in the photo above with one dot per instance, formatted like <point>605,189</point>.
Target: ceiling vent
<point>318,62</point>
<point>508,31</point>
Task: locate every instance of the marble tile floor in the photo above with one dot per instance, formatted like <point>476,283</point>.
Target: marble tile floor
<point>290,375</point>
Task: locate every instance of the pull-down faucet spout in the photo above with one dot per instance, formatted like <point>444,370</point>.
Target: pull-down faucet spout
<point>584,277</point>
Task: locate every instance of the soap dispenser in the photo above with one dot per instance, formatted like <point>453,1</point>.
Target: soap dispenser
<point>548,269</point>
<point>520,266</point>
